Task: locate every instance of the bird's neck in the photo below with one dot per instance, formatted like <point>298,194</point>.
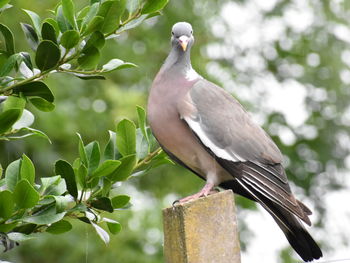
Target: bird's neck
<point>177,61</point>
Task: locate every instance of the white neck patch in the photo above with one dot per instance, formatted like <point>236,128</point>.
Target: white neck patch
<point>191,74</point>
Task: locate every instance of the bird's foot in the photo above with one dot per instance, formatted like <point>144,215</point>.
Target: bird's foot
<point>207,190</point>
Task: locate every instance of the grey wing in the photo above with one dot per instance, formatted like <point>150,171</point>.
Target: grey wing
<point>239,145</point>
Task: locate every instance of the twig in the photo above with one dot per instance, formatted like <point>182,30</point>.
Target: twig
<point>148,158</point>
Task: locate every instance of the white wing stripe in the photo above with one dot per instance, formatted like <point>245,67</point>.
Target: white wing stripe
<point>220,152</point>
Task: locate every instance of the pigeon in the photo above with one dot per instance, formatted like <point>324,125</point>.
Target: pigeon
<point>203,128</point>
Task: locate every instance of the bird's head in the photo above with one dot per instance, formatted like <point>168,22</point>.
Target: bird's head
<point>182,36</point>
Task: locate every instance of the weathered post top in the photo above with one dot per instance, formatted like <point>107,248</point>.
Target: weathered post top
<point>202,231</point>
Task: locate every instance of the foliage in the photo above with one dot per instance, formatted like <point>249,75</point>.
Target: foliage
<point>81,190</point>
<point>68,42</point>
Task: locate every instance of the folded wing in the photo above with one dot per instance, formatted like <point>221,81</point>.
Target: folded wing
<point>239,145</point>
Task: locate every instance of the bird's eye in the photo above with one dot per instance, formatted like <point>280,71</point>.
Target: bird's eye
<point>172,33</point>
<point>191,32</point>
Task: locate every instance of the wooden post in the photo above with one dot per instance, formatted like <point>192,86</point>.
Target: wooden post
<point>202,231</point>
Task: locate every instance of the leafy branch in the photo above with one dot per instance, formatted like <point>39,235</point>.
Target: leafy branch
<point>83,190</point>
<point>68,42</point>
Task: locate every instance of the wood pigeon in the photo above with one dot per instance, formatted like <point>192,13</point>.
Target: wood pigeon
<point>202,127</point>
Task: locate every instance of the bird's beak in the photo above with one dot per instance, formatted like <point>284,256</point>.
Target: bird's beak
<point>183,40</point>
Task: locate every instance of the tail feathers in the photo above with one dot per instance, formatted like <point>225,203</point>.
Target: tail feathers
<point>296,234</point>
<point>305,208</point>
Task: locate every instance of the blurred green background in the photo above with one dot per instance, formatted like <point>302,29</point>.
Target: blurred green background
<point>286,61</point>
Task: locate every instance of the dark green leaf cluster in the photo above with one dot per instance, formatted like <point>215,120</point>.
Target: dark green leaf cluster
<point>82,190</point>
<point>70,41</point>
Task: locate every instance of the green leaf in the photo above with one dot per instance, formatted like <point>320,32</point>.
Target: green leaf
<point>54,24</point>
<point>62,202</point>
<point>62,22</point>
<point>124,170</point>
<point>49,216</point>
<point>7,227</point>
<point>25,195</point>
<point>142,148</point>
<point>68,12</point>
<point>152,6</point>
<point>12,174</point>
<point>93,155</point>
<point>111,11</point>
<point>103,203</point>
<point>132,6</point>
<point>59,227</point>
<point>81,208</point>
<point>81,174</point>
<point>141,114</point>
<point>107,185</point>
<point>7,204</point>
<point>13,102</point>
<point>110,150</point>
<point>26,59</point>
<point>82,152</point>
<point>114,227</point>
<point>106,168</point>
<point>96,40</point>
<point>126,137</point>
<point>89,59</point>
<point>31,36</point>
<point>26,119</point>
<point>153,143</point>
<point>12,62</point>
<point>35,89</point>
<point>52,185</point>
<point>31,132</point>
<point>9,40</point>
<point>47,55</point>
<point>7,6</point>
<point>46,200</point>
<point>76,164</point>
<point>3,3</point>
<point>42,104</point>
<point>120,201</point>
<point>70,39</point>
<point>48,32</point>
<point>8,118</point>
<point>19,237</point>
<point>94,25</point>
<point>101,232</point>
<point>25,228</point>
<point>83,13</point>
<point>27,170</point>
<point>90,15</point>
<point>115,64</point>
<point>64,169</point>
<point>35,19</point>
